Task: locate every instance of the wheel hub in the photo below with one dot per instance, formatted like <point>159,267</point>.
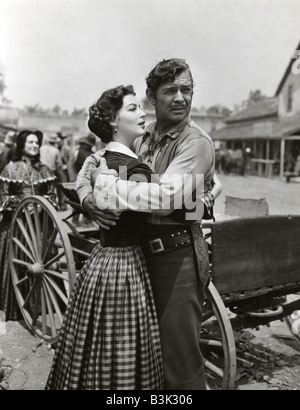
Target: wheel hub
<point>35,270</point>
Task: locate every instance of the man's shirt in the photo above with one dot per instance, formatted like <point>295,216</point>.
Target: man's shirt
<point>51,156</point>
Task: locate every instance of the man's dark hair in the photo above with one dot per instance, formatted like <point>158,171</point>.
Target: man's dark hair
<point>166,71</point>
<point>105,110</point>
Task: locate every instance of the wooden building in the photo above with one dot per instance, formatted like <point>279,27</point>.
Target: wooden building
<point>270,127</point>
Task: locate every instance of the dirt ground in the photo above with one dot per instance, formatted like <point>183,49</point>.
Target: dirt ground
<point>268,358</point>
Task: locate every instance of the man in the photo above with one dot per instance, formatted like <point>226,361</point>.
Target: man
<point>50,155</point>
<point>174,246</point>
<point>8,149</point>
<point>76,161</point>
<point>65,151</point>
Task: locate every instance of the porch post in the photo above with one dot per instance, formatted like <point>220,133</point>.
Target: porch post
<point>268,149</point>
<point>282,155</point>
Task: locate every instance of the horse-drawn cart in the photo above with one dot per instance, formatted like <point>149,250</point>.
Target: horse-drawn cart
<point>255,275</point>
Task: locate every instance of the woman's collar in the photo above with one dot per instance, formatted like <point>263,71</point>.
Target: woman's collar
<point>30,160</point>
<point>121,148</point>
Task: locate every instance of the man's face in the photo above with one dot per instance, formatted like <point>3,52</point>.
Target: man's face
<point>174,99</point>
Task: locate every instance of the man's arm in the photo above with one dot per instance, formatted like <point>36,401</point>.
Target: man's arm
<point>192,166</point>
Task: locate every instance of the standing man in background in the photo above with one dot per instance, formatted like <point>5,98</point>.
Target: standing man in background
<point>8,149</point>
<point>77,158</point>
<point>50,155</point>
<point>65,151</point>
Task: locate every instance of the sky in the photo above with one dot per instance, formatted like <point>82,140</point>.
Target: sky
<point>67,52</point>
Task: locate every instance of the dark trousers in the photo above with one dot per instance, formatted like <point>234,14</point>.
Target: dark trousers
<point>179,297</point>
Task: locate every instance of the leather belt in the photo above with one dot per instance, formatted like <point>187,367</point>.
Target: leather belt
<point>165,242</point>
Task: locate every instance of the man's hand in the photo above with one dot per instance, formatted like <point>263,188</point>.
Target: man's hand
<point>105,219</point>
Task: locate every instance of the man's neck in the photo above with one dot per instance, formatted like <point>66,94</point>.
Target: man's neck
<point>163,127</point>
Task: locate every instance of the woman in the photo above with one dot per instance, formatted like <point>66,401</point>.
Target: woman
<point>110,336</point>
<point>24,175</point>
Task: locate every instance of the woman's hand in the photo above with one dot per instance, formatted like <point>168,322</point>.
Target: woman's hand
<point>102,169</point>
<point>104,218</point>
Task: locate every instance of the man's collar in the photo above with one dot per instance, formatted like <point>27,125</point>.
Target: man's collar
<point>173,132</point>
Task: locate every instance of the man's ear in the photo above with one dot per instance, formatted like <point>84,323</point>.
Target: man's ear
<point>151,96</point>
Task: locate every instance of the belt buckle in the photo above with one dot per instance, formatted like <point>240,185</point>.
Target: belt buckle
<point>156,245</point>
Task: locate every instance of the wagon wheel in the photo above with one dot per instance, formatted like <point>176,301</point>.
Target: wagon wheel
<point>293,320</point>
<point>217,343</point>
<point>42,266</point>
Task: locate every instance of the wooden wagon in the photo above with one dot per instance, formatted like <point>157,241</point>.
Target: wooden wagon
<point>255,275</point>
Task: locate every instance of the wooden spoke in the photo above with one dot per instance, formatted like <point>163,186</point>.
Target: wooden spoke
<point>22,281</point>
<point>55,258</point>
<point>29,295</point>
<point>57,290</point>
<point>37,228</point>
<point>28,241</point>
<point>20,262</point>
<point>211,343</point>
<point>50,311</point>
<point>44,315</point>
<point>56,274</point>
<point>216,370</point>
<point>34,240</point>
<point>50,244</point>
<point>46,243</point>
<point>54,301</point>
<point>25,250</point>
<point>37,304</point>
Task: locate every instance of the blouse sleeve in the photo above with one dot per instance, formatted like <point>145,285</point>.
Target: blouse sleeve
<point>7,202</point>
<point>4,185</point>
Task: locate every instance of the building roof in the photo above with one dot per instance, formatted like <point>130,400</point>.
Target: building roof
<point>270,129</point>
<point>265,108</point>
<point>286,74</point>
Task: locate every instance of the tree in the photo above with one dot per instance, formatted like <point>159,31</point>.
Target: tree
<point>56,109</point>
<point>79,112</point>
<point>32,109</point>
<point>219,109</point>
<point>255,96</point>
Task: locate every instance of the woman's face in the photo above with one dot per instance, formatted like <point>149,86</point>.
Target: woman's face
<point>31,147</point>
<point>130,119</point>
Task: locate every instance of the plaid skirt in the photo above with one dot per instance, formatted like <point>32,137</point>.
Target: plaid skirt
<point>8,301</point>
<point>110,337</point>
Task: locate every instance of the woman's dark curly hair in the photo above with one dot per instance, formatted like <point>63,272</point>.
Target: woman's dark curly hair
<point>105,111</point>
<point>166,71</point>
<point>21,141</point>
